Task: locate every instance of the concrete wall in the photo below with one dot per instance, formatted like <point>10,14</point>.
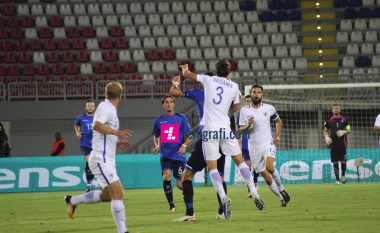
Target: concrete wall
<point>32,124</point>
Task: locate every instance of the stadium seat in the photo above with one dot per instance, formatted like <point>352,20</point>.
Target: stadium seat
<point>342,37</point>
<point>287,64</point>
<point>262,39</point>
<point>257,64</point>
<point>111,20</point>
<point>196,18</point>
<point>49,45</point>
<point>144,31</point>
<point>252,17</point>
<point>24,58</point>
<point>140,20</point>
<point>149,43</point>
<point>220,6</point>
<point>366,48</point>
<point>28,70</point>
<point>348,62</point>
<point>370,36</point>
<point>34,45</point>
<point>364,12</point>
<point>163,7</point>
<point>210,18</point>
<point>72,68</point>
<point>27,21</point>
<point>30,33</point>
<point>200,66</point>
<point>219,41</point>
<point>86,68</point>
<point>237,53</point>
<point>107,8</point>
<point>271,27</point>
<point>100,68</point>
<point>350,13</point>
<point>267,51</point>
<point>37,9</point>
<point>88,32</point>
<point>13,70</point>
<point>181,54</point>
<point>126,20</point>
<point>138,55</point>
<point>121,43</point>
<point>352,49</point>
<point>69,21</point>
<point>51,57</point>
<point>177,7</point>
<point>130,31</point>
<point>177,42</point>
<point>281,51</point>
<point>358,74</point>
<point>200,29</point>
<point>125,55</point>
<point>374,24</point>
<point>148,80</point>
<point>114,68</point>
<point>55,21</point>
<point>158,67</point>
<point>43,69</point>
<point>12,22</point>
<point>158,30</point>
<point>224,17</point>
<point>191,41</point>
<point>153,55</point>
<point>266,16</point>
<point>154,19</point>
<point>277,39</point>
<point>262,5</point>
<point>172,30</point>
<point>81,56</point>
<point>92,44</point>
<point>97,20</point>
<point>278,76</point>
<point>205,6</point>
<point>79,9</point>
<point>205,41</point>
<point>110,56</point>
<point>360,24</point>
<point>373,73</point>
<point>167,54</point>
<point>149,8</point>
<point>84,21</point>
<point>233,40</point>
<point>23,9</point>
<point>344,75</point>
<point>291,38</point>
<point>57,69</point>
<point>295,15</point>
<point>214,29</point>
<point>286,26</point>
<point>208,53</point>
<point>187,30</point>
<point>135,8</point>
<point>272,64</point>
<point>41,21</point>
<point>135,43</point>
<point>301,63</point>
<point>363,61</point>
<point>9,58</point>
<point>63,44</point>
<point>65,9</point>
<point>101,32</point>
<point>356,36</point>
<point>247,40</point>
<point>168,19</point>
<point>191,7</point>
<point>224,53</point>
<point>59,33</point>
<point>346,25</point>
<point>242,28</point>
<point>257,27</point>
<point>238,17</point>
<point>96,56</point>
<point>252,52</point>
<point>163,42</point>
<point>182,18</point>
<point>195,54</point>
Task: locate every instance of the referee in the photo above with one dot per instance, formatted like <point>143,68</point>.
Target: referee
<point>335,130</point>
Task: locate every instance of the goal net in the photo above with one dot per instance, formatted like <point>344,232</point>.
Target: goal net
<point>303,156</point>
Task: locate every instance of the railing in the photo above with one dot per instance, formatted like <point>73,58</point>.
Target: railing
<point>50,90</point>
<point>2,92</point>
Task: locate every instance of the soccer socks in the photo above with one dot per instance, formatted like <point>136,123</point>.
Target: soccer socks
<point>188,194</point>
<point>89,198</point>
<point>220,211</point>
<point>217,182</point>
<point>273,187</point>
<point>277,179</point>
<point>343,165</point>
<point>246,174</point>
<point>255,180</point>
<point>168,190</point>
<point>336,171</point>
<point>89,175</point>
<point>118,213</point>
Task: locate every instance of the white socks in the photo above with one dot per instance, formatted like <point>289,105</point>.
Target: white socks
<point>118,213</point>
<point>217,182</point>
<point>276,177</point>
<point>273,187</point>
<point>89,198</point>
<point>248,179</point>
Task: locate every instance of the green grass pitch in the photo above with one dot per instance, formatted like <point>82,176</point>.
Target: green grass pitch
<point>320,208</point>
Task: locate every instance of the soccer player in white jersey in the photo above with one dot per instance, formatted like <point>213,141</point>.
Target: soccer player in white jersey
<point>376,127</point>
<point>256,118</point>
<point>220,94</point>
<point>106,137</point>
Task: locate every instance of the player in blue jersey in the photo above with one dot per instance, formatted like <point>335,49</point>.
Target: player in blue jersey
<point>83,131</point>
<point>244,144</point>
<point>171,136</point>
<point>196,161</point>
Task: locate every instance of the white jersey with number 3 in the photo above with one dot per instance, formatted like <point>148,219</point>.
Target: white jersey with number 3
<point>261,135</point>
<point>220,93</point>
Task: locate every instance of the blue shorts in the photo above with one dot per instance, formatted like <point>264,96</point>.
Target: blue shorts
<point>85,150</point>
<point>175,166</point>
<point>246,155</point>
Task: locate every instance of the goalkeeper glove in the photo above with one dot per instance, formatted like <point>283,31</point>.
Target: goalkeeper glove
<point>340,133</point>
<point>328,140</point>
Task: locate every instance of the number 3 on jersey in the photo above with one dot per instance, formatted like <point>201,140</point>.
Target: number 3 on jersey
<point>219,93</point>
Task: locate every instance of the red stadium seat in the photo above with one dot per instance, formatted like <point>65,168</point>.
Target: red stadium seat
<point>110,56</point>
<point>43,69</point>
<point>45,33</point>
<point>232,65</point>
<point>72,69</point>
<point>52,57</point>
<point>35,45</point>
<point>27,21</point>
<point>106,43</point>
<point>121,43</point>
<point>114,68</point>
<point>24,58</point>
<point>9,58</point>
<point>78,44</point>
<point>57,69</point>
<point>163,77</point>
<point>13,70</point>
<point>67,57</point>
<point>55,21</point>
<point>100,68</point>
<point>153,55</point>
<point>88,32</point>
<point>12,22</point>
<point>20,45</point>
<point>5,45</point>
<point>130,68</point>
<point>8,10</point>
<point>63,44</point>
<point>81,56</point>
<point>16,33</point>
<point>2,22</point>
<point>28,70</point>
<point>167,54</point>
<point>3,33</point>
<point>116,32</point>
<point>49,45</point>
<point>2,71</point>
<point>73,32</point>
<point>133,77</point>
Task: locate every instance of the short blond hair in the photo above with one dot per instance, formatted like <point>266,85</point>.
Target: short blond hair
<point>114,90</point>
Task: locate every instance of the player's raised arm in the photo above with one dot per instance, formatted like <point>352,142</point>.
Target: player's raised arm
<point>187,73</point>
<point>175,90</point>
<point>78,132</point>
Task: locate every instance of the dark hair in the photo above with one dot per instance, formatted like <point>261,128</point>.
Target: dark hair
<point>222,68</point>
<point>209,73</point>
<point>257,86</point>
<point>247,96</point>
<point>165,97</point>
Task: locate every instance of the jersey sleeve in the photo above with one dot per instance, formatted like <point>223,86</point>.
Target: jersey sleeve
<point>78,121</point>
<point>274,115</point>
<point>101,114</point>
<point>326,124</point>
<point>202,78</point>
<point>186,126</point>
<point>156,128</point>
<point>190,94</point>
<point>243,118</point>
<point>237,97</point>
<point>377,121</point>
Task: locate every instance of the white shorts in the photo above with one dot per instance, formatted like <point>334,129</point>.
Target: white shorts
<point>105,172</point>
<point>259,156</point>
<point>229,146</point>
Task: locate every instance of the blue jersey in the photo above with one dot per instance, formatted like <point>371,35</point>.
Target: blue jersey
<point>244,135</point>
<point>198,96</point>
<point>85,123</point>
<point>172,131</point>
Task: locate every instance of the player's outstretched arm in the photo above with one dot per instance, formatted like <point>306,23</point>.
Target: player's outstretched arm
<point>78,133</point>
<point>187,73</point>
<point>326,134</point>
<point>277,135</point>
<point>102,128</point>
<point>156,143</point>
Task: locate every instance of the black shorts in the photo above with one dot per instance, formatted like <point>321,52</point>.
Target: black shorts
<point>197,161</point>
<point>245,154</point>
<point>86,150</point>
<point>175,166</point>
<point>338,155</point>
